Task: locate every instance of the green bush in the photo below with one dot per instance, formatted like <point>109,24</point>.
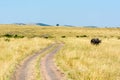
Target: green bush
<point>13,36</point>
<point>18,36</point>
<point>83,36</point>
<point>77,36</point>
<point>8,35</point>
<point>63,36</point>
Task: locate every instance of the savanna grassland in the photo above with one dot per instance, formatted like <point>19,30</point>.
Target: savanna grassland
<point>14,50</point>
<point>78,59</point>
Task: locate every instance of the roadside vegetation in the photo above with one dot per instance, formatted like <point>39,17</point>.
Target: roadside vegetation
<point>78,59</point>
<point>14,51</point>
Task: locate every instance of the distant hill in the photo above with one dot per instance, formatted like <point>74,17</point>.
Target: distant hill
<point>90,26</point>
<point>42,24</point>
<point>20,23</point>
<point>80,26</point>
<point>69,25</point>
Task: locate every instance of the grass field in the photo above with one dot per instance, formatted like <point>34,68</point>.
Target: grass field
<point>12,52</point>
<point>78,59</point>
<point>58,32</point>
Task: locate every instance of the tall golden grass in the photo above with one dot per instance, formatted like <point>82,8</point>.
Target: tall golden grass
<point>57,32</point>
<point>12,52</point>
<point>80,60</point>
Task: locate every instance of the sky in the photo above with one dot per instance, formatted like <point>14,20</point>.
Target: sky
<point>63,12</point>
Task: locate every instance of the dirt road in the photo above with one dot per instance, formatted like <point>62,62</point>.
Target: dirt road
<point>48,69</point>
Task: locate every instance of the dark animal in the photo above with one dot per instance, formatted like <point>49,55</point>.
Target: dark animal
<point>95,41</point>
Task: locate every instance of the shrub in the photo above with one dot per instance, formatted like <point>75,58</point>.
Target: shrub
<point>13,36</point>
<point>18,36</point>
<point>8,35</point>
<point>63,36</point>
<point>83,36</point>
<point>77,36</point>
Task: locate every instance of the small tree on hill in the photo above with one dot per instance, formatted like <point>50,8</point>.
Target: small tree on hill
<point>57,24</point>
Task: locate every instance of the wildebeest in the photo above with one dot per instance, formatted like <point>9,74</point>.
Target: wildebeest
<point>95,41</point>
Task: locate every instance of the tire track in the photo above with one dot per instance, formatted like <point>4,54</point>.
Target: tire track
<point>25,70</point>
<point>48,68</point>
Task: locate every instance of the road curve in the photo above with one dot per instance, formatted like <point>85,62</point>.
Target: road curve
<point>48,68</point>
<point>24,71</point>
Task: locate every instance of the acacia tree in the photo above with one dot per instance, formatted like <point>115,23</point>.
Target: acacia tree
<point>57,24</point>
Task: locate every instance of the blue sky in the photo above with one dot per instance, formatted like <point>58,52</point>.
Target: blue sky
<point>64,12</point>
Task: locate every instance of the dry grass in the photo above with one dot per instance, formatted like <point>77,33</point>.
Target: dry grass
<point>82,61</point>
<point>12,52</point>
<point>57,32</point>
<point>78,59</point>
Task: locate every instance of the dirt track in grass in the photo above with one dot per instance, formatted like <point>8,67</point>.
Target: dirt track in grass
<point>48,69</point>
